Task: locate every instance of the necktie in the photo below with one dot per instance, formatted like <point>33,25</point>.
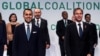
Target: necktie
<point>65,23</point>
<point>38,22</point>
<point>28,32</point>
<point>80,30</point>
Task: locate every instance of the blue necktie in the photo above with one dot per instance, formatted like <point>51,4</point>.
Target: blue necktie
<point>80,30</point>
<point>28,32</point>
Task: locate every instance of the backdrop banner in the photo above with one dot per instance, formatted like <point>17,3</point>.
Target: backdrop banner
<point>51,11</point>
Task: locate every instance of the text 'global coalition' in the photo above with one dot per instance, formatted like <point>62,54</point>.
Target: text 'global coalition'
<point>50,5</point>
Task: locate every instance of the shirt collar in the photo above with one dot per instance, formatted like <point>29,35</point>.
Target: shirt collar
<point>88,22</point>
<point>38,19</point>
<point>79,22</point>
<point>65,19</point>
<point>27,23</point>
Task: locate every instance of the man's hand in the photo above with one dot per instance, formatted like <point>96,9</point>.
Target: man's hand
<point>47,46</point>
<point>88,54</point>
<point>63,37</point>
<point>94,45</point>
<point>5,47</point>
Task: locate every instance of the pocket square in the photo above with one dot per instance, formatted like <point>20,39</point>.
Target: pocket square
<point>34,32</point>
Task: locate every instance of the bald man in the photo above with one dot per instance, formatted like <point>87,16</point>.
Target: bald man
<point>60,30</point>
<point>44,35</point>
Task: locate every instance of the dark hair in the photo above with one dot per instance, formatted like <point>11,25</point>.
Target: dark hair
<point>11,16</point>
<point>26,9</point>
<point>0,18</point>
<point>64,12</point>
<point>87,14</point>
<point>77,9</point>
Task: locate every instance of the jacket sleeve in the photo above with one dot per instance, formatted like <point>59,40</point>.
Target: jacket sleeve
<point>95,35</point>
<point>4,33</point>
<point>47,34</point>
<point>58,30</point>
<point>15,42</point>
<point>67,41</point>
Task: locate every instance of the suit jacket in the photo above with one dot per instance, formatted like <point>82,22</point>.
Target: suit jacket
<point>76,46</point>
<point>60,28</point>
<point>3,37</point>
<point>44,30</point>
<point>44,36</point>
<point>21,45</point>
<point>95,38</point>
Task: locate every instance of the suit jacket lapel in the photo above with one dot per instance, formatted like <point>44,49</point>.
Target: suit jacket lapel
<point>76,31</point>
<point>68,22</point>
<point>33,21</point>
<point>24,31</point>
<point>84,27</point>
<point>63,23</point>
<point>41,24</point>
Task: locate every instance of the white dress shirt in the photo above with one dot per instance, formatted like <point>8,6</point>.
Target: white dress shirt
<point>66,22</point>
<point>78,26</point>
<point>38,22</point>
<point>30,25</point>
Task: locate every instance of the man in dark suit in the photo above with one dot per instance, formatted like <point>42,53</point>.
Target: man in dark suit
<point>44,35</point>
<point>26,37</point>
<point>78,36</point>
<point>95,39</point>
<point>3,36</point>
<point>60,30</point>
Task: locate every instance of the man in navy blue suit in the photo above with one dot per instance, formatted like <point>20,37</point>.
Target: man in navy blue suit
<point>26,37</point>
<point>3,36</point>
<point>78,36</point>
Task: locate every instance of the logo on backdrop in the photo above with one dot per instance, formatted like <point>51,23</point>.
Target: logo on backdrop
<point>50,5</point>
